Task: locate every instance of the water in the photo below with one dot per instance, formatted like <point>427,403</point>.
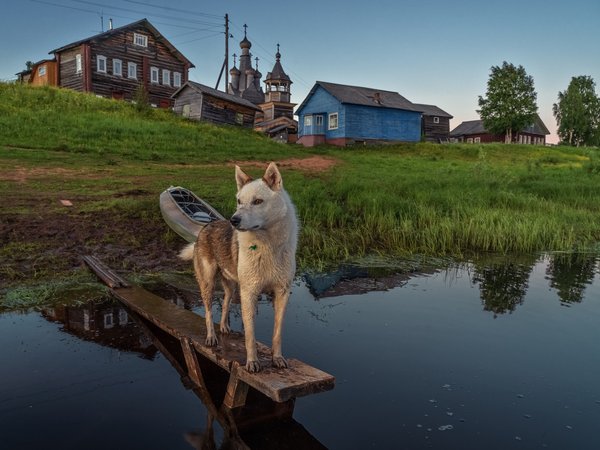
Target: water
<point>494,355</point>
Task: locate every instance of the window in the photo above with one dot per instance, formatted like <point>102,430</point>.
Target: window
<point>469,140</point>
<point>307,121</point>
<point>123,317</point>
<point>109,320</point>
<point>78,64</point>
<point>154,75</point>
<point>239,118</point>
<point>333,121</point>
<point>140,39</point>
<point>477,140</point>
<point>42,71</point>
<point>318,121</point>
<point>101,63</point>
<point>166,77</point>
<point>117,67</point>
<point>436,119</point>
<point>176,79</point>
<point>132,70</point>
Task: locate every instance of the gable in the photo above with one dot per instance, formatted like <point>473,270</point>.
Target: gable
<point>127,32</point>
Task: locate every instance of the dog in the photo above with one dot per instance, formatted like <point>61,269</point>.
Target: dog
<point>255,252</point>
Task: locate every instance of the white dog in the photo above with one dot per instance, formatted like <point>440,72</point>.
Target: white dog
<point>255,250</point>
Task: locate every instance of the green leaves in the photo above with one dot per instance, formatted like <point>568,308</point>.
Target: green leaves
<point>578,113</point>
<point>510,102</point>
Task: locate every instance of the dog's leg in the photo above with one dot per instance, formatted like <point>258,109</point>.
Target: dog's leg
<point>248,300</point>
<point>206,272</point>
<point>229,287</point>
<point>280,304</point>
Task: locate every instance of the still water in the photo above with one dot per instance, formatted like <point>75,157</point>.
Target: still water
<point>488,355</point>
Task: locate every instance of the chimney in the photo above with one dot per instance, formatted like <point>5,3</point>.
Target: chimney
<point>377,98</point>
<point>110,26</point>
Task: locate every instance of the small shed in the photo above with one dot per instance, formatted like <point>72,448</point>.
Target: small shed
<point>339,114</point>
<point>435,123</point>
<point>199,102</point>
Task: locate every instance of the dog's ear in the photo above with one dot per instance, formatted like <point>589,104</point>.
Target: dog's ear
<point>273,178</point>
<point>241,178</point>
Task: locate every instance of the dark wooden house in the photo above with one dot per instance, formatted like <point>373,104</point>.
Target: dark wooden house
<point>435,123</point>
<point>474,132</point>
<point>116,63</point>
<point>199,102</point>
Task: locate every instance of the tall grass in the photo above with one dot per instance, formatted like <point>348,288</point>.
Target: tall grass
<point>389,200</point>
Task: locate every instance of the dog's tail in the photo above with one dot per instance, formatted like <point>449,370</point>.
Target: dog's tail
<point>187,253</point>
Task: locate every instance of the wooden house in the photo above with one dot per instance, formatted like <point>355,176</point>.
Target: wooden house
<point>474,132</point>
<point>41,73</point>
<point>339,115</point>
<point>435,123</point>
<point>199,102</point>
<point>116,63</point>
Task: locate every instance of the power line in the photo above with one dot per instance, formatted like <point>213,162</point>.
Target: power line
<point>167,8</point>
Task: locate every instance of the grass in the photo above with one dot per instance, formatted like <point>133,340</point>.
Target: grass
<point>392,201</point>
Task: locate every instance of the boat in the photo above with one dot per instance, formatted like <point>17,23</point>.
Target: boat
<point>185,212</point>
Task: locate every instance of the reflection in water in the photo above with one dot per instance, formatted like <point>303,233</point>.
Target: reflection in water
<point>262,423</point>
<point>503,285</point>
<point>570,274</point>
<point>106,323</point>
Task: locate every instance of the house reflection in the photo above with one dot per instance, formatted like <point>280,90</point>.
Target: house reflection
<point>105,323</point>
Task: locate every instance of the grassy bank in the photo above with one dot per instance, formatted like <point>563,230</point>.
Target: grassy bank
<point>112,161</point>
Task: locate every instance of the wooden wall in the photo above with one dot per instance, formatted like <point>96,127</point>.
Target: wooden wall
<point>434,132</point>
<point>201,106</point>
<point>120,46</point>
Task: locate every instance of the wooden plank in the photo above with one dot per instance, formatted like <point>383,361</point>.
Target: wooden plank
<point>191,361</point>
<point>298,380</point>
<point>109,278</point>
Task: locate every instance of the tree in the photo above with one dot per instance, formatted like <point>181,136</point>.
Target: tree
<point>510,103</point>
<point>577,113</point>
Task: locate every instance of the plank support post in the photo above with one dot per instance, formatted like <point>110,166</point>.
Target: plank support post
<point>191,360</point>
<point>237,390</point>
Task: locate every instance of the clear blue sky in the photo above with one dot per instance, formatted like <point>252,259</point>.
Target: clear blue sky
<point>430,51</point>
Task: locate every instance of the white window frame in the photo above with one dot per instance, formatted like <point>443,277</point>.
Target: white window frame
<point>318,120</point>
<point>78,63</point>
<point>101,64</point>
<point>140,40</point>
<point>154,75</point>
<point>308,120</point>
<point>166,77</point>
<point>469,140</point>
<point>132,69</point>
<point>109,320</point>
<point>41,71</point>
<point>477,140</point>
<point>333,121</point>
<point>436,119</point>
<point>117,63</point>
<point>176,79</point>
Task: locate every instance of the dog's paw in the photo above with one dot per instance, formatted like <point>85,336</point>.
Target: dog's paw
<point>211,341</point>
<point>253,366</point>
<point>225,329</point>
<point>280,362</point>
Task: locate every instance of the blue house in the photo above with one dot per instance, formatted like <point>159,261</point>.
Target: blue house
<point>338,114</point>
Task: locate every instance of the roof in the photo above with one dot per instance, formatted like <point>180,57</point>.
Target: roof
<point>432,110</point>
<point>140,23</point>
<point>216,93</point>
<point>469,127</point>
<point>277,73</point>
<point>364,96</point>
<point>476,127</point>
<point>34,66</point>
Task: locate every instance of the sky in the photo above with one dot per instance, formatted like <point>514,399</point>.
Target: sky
<point>430,51</point>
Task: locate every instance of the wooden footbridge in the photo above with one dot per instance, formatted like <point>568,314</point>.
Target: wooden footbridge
<point>280,387</point>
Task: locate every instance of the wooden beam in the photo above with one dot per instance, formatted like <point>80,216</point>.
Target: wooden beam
<point>237,390</point>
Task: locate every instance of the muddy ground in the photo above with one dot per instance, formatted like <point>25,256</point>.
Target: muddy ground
<point>45,239</point>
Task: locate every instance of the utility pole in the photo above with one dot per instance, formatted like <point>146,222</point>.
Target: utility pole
<point>225,65</point>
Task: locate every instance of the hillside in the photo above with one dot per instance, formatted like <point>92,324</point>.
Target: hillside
<point>112,160</point>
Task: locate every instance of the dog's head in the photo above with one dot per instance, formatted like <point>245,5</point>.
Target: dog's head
<point>260,202</point>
